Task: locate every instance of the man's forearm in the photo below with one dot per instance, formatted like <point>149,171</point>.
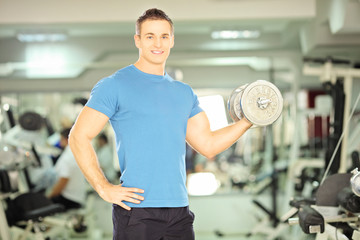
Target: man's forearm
<point>223,138</point>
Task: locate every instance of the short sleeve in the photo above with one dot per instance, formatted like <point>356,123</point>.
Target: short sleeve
<point>195,108</point>
<point>64,163</point>
<point>103,97</point>
<point>63,170</point>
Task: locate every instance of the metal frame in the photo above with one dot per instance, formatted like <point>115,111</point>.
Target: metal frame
<point>328,72</point>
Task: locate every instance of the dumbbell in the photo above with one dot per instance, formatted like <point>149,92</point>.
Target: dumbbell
<point>260,102</point>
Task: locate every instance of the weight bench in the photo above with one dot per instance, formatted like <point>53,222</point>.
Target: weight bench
<point>26,210</point>
<point>335,206</point>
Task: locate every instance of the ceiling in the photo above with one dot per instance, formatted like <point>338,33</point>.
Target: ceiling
<point>99,40</point>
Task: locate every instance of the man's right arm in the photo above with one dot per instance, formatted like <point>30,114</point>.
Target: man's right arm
<point>87,126</point>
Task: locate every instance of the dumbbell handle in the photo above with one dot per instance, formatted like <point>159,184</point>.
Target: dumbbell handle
<point>263,102</point>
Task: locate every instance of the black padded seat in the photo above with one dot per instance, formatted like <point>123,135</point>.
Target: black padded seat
<point>31,206</point>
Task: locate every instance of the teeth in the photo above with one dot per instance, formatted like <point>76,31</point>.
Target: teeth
<point>157,51</point>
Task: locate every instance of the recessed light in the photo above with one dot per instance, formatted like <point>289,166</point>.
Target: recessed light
<point>42,37</point>
<point>235,34</point>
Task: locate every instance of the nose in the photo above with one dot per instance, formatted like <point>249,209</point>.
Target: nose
<point>157,42</point>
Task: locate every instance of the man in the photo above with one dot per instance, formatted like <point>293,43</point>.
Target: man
<point>70,187</point>
<point>152,115</point>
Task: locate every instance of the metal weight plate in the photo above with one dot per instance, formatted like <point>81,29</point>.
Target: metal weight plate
<point>237,102</point>
<point>231,103</point>
<point>261,103</point>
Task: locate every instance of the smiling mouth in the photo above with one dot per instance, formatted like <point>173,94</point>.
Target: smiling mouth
<point>157,52</point>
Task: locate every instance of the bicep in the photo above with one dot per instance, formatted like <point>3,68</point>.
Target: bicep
<point>198,131</point>
<point>89,123</point>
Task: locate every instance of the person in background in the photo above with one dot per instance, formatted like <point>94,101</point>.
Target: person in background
<point>70,187</point>
<point>104,153</point>
<point>190,159</point>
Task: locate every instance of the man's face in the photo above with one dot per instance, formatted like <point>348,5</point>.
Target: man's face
<point>155,41</point>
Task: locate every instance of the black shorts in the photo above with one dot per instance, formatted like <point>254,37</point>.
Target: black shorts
<point>153,223</point>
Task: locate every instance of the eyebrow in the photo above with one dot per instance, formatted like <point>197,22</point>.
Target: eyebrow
<point>164,34</point>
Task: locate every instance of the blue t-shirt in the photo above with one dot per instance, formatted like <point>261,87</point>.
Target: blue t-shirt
<point>149,115</point>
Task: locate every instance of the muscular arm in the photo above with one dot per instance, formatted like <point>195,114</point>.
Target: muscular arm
<point>210,143</point>
<point>89,124</point>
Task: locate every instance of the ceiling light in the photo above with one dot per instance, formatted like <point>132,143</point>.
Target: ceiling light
<point>41,37</point>
<point>6,107</point>
<point>235,34</point>
<point>45,60</point>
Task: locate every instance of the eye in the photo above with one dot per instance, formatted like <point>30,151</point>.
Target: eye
<point>149,37</point>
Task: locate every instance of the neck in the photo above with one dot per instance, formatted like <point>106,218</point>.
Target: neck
<point>156,69</point>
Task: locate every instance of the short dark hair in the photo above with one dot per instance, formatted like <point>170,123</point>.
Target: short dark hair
<point>153,14</point>
<point>65,132</point>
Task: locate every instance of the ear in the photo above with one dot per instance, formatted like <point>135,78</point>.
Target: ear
<point>137,40</point>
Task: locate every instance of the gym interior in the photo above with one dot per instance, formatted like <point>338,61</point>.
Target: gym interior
<point>293,175</point>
